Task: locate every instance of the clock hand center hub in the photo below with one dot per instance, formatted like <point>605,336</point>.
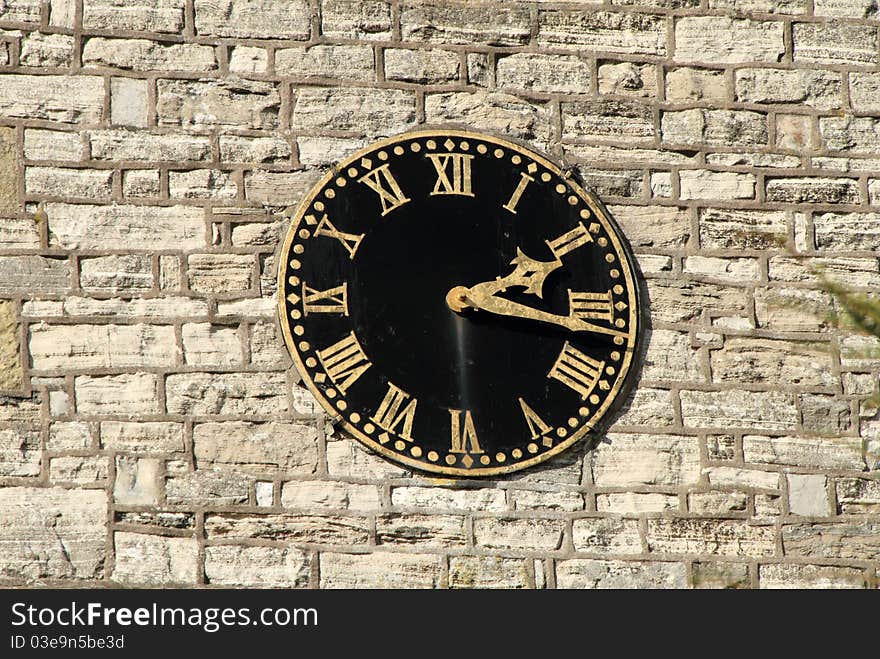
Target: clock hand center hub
<point>457,300</point>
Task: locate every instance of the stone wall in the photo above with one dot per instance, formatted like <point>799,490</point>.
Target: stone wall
<point>152,431</point>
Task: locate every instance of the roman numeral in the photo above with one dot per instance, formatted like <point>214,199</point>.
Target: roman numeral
<point>537,426</point>
<point>325,228</point>
<point>344,362</point>
<point>464,437</point>
<point>570,241</point>
<point>334,300</point>
<point>589,306</point>
<point>384,184</point>
<point>390,415</point>
<point>524,180</point>
<point>455,179</point>
<point>576,370</point>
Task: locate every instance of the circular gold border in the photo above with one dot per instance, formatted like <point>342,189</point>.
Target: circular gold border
<point>598,210</point>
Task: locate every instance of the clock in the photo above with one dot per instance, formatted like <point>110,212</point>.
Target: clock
<point>459,303</point>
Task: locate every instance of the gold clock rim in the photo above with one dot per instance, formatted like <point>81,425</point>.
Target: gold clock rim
<point>595,206</point>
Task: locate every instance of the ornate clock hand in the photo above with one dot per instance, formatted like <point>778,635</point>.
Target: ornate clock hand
<point>530,274</point>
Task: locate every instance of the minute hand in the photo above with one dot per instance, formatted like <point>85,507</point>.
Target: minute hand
<point>482,296</point>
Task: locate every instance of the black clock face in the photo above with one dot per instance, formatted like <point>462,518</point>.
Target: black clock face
<point>462,306</point>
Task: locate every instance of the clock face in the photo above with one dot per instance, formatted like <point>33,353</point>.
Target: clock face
<point>458,302</point>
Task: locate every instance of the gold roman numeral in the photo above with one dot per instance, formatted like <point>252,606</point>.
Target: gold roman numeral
<point>524,180</point>
<point>570,241</point>
<point>344,362</point>
<point>464,437</point>
<point>381,181</point>
<point>589,306</point>
<point>537,426</point>
<point>453,173</point>
<point>325,228</point>
<point>390,415</point>
<point>577,370</point>
<point>333,300</point>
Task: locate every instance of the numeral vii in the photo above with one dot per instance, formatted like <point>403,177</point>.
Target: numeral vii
<point>390,415</point>
<point>383,183</point>
<point>453,173</point>
<point>344,362</point>
<point>576,370</point>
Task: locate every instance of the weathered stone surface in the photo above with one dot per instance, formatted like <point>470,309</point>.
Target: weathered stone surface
<point>312,495</point>
<point>26,11</point>
<point>153,308</point>
<point>717,503</point>
<point>762,6</point>
<point>142,15</point>
<point>421,530</point>
<point>156,520</point>
<point>317,151</point>
<point>380,570</point>
<point>844,271</point>
<point>858,540</point>
<point>275,19</point>
<point>739,409</point>
<point>607,120</point>
<point>749,229</point>
<point>465,24</point>
<point>69,436</point>
<point>660,227</point>
<point>66,99</point>
<point>711,537</point>
<point>680,301</point>
<point>647,407</point>
<point>207,488</point>
<point>11,375</point>
<point>46,49</point>
<point>80,470</point>
<point>80,226</point>
<point>629,459</point>
<point>858,496</point>
<point>155,560</point>
<point>269,150</point>
<point>137,481</point>
<point>314,529</point>
<point>355,19</point>
<point>740,128</point>
<point>437,498</point>
<point>581,573</point>
<point>703,184</point>
<point>813,190</point>
<point>628,79</point>
<point>564,74</point>
<point>721,575</point>
<point>209,345</point>
<point>526,534</point>
<point>220,273</point>
<point>339,62</point>
<point>632,503</point>
<point>142,146</point>
<point>54,347</point>
<point>818,89</point>
<point>118,395</point>
<point>20,451</point>
<point>738,477</point>
<point>537,500</point>
<point>632,34</point>
<point>128,273</point>
<point>606,535</point>
<point>488,572</point>
<point>245,60</point>
<point>257,567</point>
<point>366,111</point>
<point>287,447</point>
<point>279,188</point>
<point>142,437</point>
<point>145,55</point>
<point>689,84</point>
<point>834,43</point>
<point>807,495</point>
<point>52,533</point>
<point>844,231</point>
<point>489,111</point>
<point>720,39</point>
<point>779,576</point>
<point>235,103</point>
<point>772,362</point>
<point>202,184</point>
<point>201,394</point>
<point>812,452</point>
<point>791,309</point>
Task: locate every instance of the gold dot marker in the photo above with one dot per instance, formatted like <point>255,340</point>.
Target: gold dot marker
<point>341,404</point>
<point>298,249</point>
<point>295,265</point>
<point>450,459</point>
<point>369,428</point>
<point>382,155</point>
<point>341,182</point>
<point>352,172</point>
<point>416,451</point>
<point>331,393</point>
<point>562,432</point>
<point>415,147</point>
<point>585,214</point>
<point>573,423</point>
<point>311,362</point>
<point>516,453</point>
<point>499,153</point>
<point>398,150</point>
<point>329,193</point>
<point>618,340</point>
<point>602,241</point>
<point>610,258</point>
<point>299,330</point>
<point>355,417</point>
<point>464,146</point>
<point>432,456</point>
<point>399,445</point>
<point>560,188</point>
<point>481,148</point>
<point>615,355</point>
<point>573,201</point>
<point>319,205</point>
<point>614,273</point>
<point>305,234</point>
<point>516,160</point>
<point>304,346</point>
<point>431,144</point>
<point>546,176</point>
<point>618,289</point>
<point>594,399</point>
<point>620,322</point>
<point>500,457</point>
<point>532,448</point>
<point>485,459</point>
<point>584,411</point>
